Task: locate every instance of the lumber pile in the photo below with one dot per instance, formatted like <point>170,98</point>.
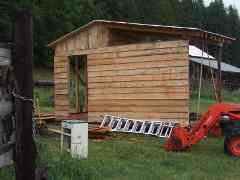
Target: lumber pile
<point>44,116</point>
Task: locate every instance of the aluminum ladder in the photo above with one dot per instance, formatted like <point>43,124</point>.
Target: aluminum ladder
<point>161,129</point>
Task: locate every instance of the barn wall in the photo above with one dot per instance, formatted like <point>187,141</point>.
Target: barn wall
<point>142,81</point>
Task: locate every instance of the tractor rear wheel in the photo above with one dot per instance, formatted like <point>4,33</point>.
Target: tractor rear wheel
<point>233,146</point>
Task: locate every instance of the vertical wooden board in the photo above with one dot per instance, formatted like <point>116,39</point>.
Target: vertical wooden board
<point>93,38</point>
<point>102,36</point>
<point>70,43</point>
<point>98,36</point>
<point>82,40</point>
<point>86,81</point>
<point>77,81</point>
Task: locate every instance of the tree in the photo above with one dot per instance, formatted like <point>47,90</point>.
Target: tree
<point>54,18</point>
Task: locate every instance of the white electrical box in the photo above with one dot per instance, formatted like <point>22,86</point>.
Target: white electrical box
<point>74,138</point>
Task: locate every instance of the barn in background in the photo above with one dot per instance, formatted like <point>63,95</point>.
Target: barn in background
<point>133,70</point>
<point>198,58</point>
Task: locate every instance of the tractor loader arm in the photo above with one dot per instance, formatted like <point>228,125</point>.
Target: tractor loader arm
<point>183,138</point>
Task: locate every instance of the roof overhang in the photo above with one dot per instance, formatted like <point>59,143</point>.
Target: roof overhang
<point>184,32</point>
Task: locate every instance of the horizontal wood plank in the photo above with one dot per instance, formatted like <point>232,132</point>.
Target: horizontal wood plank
<point>166,83</point>
<point>60,65</point>
<point>138,102</point>
<point>61,70</point>
<point>155,77</point>
<point>138,53</point>
<point>150,109</point>
<point>62,108</point>
<point>61,85</point>
<point>61,113</point>
<point>136,65</point>
<point>143,71</point>
<point>143,115</point>
<point>122,48</point>
<point>61,91</point>
<point>61,97</point>
<point>141,96</point>
<point>61,75</point>
<point>61,102</point>
<point>138,47</point>
<point>162,57</point>
<point>99,91</point>
<point>60,81</point>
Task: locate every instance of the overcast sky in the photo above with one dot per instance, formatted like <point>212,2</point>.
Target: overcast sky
<point>235,3</point>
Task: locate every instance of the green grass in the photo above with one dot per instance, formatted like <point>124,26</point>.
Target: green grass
<point>45,98</point>
<point>45,95</point>
<point>207,99</point>
<point>137,157</point>
<point>134,157</point>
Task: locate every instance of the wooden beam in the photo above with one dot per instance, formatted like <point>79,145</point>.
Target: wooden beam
<point>219,73</point>
<point>86,82</point>
<point>77,83</point>
<point>25,150</point>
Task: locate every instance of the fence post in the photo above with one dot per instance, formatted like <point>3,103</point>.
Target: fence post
<point>219,73</point>
<point>25,150</point>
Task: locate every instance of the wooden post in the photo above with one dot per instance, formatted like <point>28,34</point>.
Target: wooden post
<point>86,82</point>
<point>77,83</point>
<point>219,73</point>
<point>25,150</point>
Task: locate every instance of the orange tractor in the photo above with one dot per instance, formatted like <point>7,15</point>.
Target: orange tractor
<point>221,119</point>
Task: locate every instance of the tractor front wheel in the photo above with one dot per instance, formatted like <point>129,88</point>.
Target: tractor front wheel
<point>233,146</point>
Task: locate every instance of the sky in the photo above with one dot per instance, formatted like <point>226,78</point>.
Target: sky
<point>235,3</point>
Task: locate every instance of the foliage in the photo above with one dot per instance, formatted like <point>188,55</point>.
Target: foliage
<point>55,18</point>
<point>45,99</point>
<point>208,98</point>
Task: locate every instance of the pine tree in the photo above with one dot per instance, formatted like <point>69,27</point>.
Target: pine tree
<point>54,18</point>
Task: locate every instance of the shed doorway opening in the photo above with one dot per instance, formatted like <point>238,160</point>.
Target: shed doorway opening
<point>78,84</point>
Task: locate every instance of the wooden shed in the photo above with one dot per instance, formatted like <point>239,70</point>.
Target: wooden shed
<point>133,70</point>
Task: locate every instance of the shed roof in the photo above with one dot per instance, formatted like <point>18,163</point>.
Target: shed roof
<point>176,30</point>
<point>201,57</point>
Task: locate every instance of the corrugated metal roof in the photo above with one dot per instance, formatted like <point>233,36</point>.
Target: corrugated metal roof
<point>139,25</point>
<point>196,52</point>
<point>201,57</point>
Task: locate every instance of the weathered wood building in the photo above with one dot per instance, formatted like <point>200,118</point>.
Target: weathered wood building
<point>132,70</point>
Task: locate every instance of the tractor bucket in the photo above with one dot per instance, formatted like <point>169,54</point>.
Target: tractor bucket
<point>178,141</point>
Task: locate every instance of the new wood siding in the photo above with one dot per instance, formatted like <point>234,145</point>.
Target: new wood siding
<point>90,38</point>
<point>61,73</point>
<point>142,81</point>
